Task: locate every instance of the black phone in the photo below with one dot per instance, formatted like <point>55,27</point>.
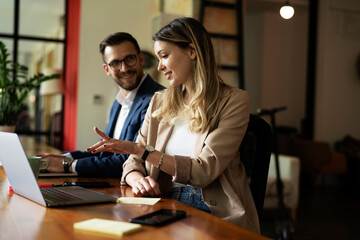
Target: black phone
<point>160,217</point>
<point>88,184</point>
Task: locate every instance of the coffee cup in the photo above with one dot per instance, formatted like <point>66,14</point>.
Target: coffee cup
<point>36,164</point>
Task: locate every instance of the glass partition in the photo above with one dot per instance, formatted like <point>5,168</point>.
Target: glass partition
<point>42,18</point>
<point>45,102</point>
<point>36,39</point>
<point>7,16</point>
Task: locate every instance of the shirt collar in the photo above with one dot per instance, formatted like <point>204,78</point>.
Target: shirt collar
<point>128,100</point>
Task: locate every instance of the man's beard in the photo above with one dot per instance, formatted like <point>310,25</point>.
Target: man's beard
<point>124,84</point>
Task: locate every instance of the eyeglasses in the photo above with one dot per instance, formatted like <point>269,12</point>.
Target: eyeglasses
<point>129,60</point>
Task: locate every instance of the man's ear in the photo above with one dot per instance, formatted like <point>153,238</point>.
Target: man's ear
<point>141,57</point>
<point>106,68</point>
<point>192,51</point>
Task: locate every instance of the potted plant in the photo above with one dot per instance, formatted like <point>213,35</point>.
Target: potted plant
<point>15,85</point>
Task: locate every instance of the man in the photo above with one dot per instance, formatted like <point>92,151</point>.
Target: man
<point>124,62</point>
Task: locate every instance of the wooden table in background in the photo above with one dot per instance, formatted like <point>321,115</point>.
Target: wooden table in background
<point>23,219</point>
<point>32,147</point>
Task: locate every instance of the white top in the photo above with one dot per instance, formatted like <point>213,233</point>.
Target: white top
<point>181,141</point>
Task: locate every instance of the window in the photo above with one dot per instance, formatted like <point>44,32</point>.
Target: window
<point>34,34</point>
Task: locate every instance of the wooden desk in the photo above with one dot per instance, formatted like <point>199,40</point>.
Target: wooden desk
<point>32,147</point>
<point>23,219</point>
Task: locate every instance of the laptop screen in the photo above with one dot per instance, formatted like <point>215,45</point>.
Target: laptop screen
<point>17,168</point>
<point>24,183</point>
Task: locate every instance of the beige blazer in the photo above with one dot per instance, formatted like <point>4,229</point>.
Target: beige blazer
<point>216,167</point>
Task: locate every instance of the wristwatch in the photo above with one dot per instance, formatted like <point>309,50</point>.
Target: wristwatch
<point>67,163</point>
<point>148,149</point>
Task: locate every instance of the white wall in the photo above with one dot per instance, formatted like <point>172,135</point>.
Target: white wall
<point>275,64</point>
<point>253,50</point>
<point>275,69</point>
<point>284,66</point>
<point>99,19</point>
<point>338,88</point>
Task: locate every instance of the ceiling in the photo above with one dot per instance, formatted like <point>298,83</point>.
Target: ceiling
<point>42,17</point>
<point>253,6</point>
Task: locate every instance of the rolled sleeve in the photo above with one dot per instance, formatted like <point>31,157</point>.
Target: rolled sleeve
<point>182,169</point>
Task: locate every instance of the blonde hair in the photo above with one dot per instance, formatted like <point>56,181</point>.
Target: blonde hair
<point>206,81</point>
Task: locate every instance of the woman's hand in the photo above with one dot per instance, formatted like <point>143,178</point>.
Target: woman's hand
<point>143,186</point>
<point>114,145</point>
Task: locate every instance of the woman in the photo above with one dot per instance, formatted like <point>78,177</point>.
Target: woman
<point>188,144</point>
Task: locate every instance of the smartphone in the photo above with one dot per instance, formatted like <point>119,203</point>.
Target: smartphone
<point>160,217</point>
<point>88,184</point>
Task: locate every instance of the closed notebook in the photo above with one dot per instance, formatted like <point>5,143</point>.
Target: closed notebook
<point>111,227</point>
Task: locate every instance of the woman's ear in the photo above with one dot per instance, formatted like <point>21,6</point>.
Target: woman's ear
<point>192,51</point>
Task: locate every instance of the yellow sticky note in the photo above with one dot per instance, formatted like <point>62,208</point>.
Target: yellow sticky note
<point>138,200</point>
<point>107,226</point>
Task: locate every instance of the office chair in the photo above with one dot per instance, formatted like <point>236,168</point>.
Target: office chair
<point>255,151</point>
<point>55,137</point>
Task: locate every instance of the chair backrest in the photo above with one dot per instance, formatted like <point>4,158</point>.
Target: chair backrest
<point>255,151</point>
<point>55,139</point>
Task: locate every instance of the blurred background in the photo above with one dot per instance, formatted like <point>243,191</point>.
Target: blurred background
<point>309,63</point>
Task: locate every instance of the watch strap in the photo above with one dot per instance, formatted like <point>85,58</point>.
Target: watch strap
<point>144,156</point>
<point>66,164</point>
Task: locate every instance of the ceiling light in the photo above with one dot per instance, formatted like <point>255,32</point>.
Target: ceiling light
<point>287,11</point>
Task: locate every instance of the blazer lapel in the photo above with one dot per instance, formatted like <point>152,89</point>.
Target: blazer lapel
<point>113,120</point>
<point>200,142</point>
<point>201,137</point>
<point>136,104</point>
<point>139,99</point>
<point>164,133</point>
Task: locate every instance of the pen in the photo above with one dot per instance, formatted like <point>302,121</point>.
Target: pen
<point>40,186</point>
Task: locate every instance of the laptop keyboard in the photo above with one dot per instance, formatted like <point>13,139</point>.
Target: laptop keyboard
<point>55,195</point>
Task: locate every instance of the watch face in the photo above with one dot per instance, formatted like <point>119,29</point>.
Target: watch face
<point>67,161</point>
<point>149,148</point>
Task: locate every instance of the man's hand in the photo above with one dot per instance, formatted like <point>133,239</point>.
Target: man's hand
<point>55,162</point>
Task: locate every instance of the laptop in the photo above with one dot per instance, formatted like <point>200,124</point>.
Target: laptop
<point>24,183</point>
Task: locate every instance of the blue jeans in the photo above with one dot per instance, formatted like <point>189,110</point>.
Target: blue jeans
<point>190,196</point>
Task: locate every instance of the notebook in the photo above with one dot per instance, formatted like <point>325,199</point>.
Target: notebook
<point>105,226</point>
<point>24,183</point>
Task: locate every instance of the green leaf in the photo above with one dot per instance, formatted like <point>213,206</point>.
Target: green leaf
<point>15,88</point>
